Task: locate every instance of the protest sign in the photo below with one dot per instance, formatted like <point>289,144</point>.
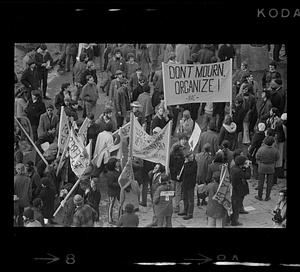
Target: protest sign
<point>63,131</point>
<point>151,148</point>
<point>193,141</point>
<point>224,192</point>
<point>79,158</point>
<point>196,83</point>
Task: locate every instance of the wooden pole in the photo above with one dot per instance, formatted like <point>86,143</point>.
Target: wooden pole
<point>66,198</point>
<point>168,147</point>
<point>59,131</point>
<point>230,72</point>
<point>37,150</point>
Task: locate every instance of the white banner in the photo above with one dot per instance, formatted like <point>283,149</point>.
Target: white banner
<point>193,141</point>
<point>151,148</point>
<point>63,131</point>
<point>196,83</point>
<point>79,157</point>
<point>82,133</point>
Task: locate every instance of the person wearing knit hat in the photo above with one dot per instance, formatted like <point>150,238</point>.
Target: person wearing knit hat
<point>266,156</point>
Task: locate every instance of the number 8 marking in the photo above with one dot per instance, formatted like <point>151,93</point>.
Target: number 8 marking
<point>70,259</point>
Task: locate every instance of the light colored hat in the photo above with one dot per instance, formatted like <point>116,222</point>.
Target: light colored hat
<point>45,146</point>
<point>156,130</point>
<point>284,116</point>
<point>136,104</point>
<point>261,127</point>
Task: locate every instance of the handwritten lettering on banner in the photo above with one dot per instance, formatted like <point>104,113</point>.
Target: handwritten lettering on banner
<point>63,130</point>
<point>195,83</point>
<point>152,148</point>
<point>79,158</point>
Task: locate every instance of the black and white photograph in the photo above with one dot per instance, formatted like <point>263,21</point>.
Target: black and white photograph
<point>143,135</point>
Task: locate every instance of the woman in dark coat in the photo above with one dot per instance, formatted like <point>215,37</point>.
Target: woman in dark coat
<point>228,132</point>
<point>47,195</point>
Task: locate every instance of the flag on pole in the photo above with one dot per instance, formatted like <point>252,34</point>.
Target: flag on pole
<point>127,174</point>
<point>193,141</point>
<point>79,157</point>
<point>224,192</point>
<point>82,133</point>
<point>152,148</point>
<point>63,131</point>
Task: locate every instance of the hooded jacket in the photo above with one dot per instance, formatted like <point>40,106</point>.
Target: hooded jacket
<point>228,132</point>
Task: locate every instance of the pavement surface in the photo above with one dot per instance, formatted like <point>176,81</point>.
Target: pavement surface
<point>260,212</point>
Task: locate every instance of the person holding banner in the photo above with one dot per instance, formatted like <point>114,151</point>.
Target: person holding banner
<point>160,119</point>
<point>186,124</point>
<point>215,211</point>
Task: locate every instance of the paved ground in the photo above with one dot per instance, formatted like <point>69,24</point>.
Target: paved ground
<point>259,216</point>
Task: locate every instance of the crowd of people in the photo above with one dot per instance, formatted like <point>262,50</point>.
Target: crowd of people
<point>250,140</point>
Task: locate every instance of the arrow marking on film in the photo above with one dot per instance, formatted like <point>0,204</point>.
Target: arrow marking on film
<point>201,260</point>
<point>51,259</point>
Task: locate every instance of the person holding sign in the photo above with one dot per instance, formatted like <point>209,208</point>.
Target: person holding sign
<point>162,200</point>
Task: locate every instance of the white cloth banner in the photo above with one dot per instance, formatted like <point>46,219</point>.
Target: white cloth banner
<point>63,130</point>
<point>196,83</point>
<point>151,148</point>
<point>193,141</point>
<point>79,157</point>
<point>82,133</point>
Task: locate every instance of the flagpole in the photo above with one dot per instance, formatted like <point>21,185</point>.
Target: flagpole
<point>59,131</point>
<point>131,135</point>
<point>168,148</point>
<point>90,142</point>
<point>67,196</point>
<point>230,84</point>
<point>38,151</point>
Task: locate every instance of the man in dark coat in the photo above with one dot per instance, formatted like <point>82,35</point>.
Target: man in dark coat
<point>239,188</point>
<point>256,142</point>
<point>43,61</point>
<point>188,185</point>
<point>36,107</point>
<point>30,78</point>
<point>277,96</point>
<point>122,104</point>
<point>264,107</point>
<point>113,187</point>
<point>176,162</point>
<point>270,74</point>
<point>35,179</point>
<point>266,156</point>
<point>226,52</point>
<point>206,54</point>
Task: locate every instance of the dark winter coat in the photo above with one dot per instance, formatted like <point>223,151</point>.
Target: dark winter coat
<point>228,133</point>
<point>214,208</point>
<point>47,195</point>
<point>203,159</point>
<point>40,59</point>
<point>116,64</point>
<point>84,216</point>
<point>34,111</point>
<point>23,190</point>
<point>158,122</point>
<point>78,69</point>
<point>210,137</point>
<point>113,187</point>
<point>266,158</point>
<point>189,175</point>
<point>238,181</point>
<point>176,162</point>
<point>256,142</point>
<point>122,101</point>
<point>93,199</point>
<point>277,101</point>
<point>30,79</point>
<point>212,168</point>
<point>205,56</point>
<point>162,205</point>
<point>238,118</point>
